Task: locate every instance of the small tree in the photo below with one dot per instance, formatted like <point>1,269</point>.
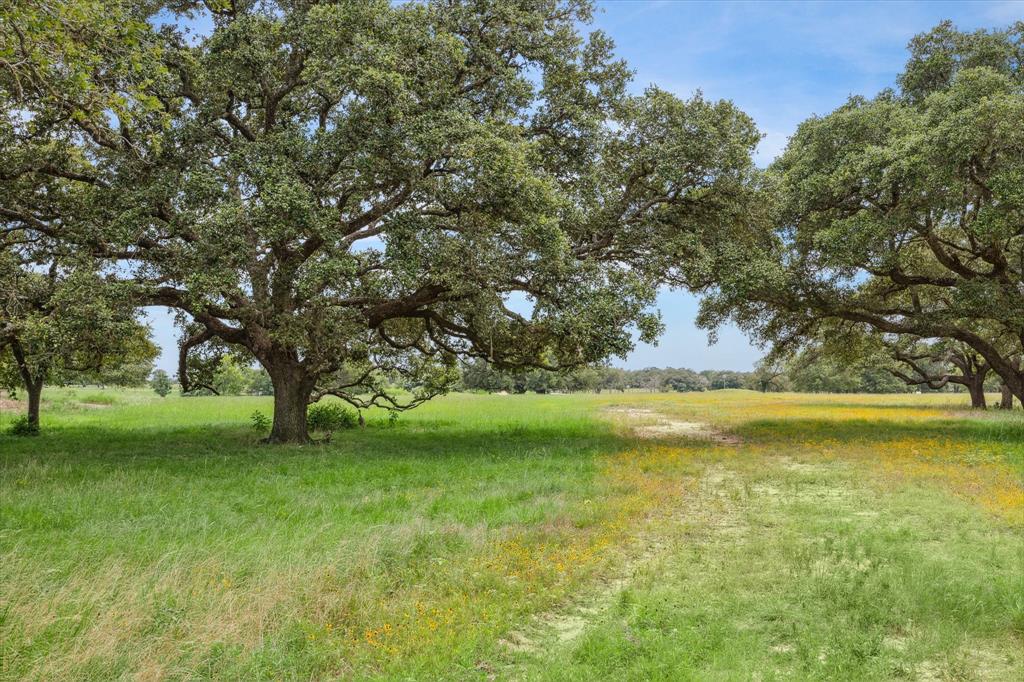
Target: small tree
<point>479,375</point>
<point>769,375</point>
<point>259,383</point>
<point>684,380</point>
<point>161,383</point>
<point>612,379</point>
<point>65,321</point>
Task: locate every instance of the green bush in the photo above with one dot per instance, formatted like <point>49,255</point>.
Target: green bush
<point>161,383</point>
<point>260,421</point>
<point>331,417</point>
<point>22,427</point>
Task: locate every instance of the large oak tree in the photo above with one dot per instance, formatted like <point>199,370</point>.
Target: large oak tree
<point>904,212</point>
<point>356,191</point>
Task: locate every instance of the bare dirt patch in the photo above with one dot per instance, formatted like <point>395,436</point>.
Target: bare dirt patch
<point>669,428</point>
<point>666,427</point>
<point>970,662</point>
<point>567,621</point>
<point>8,404</point>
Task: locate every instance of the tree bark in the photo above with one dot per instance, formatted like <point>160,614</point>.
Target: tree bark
<point>1006,399</point>
<point>1009,387</point>
<point>976,387</point>
<point>35,392</point>
<point>292,388</point>
<point>33,381</point>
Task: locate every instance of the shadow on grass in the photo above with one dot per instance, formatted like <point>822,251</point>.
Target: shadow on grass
<point>414,441</point>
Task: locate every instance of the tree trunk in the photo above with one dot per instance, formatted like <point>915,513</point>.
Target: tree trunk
<point>35,391</point>
<point>292,388</point>
<point>977,391</point>
<point>33,380</point>
<point>1009,371</point>
<point>1006,399</point>
<point>1015,388</point>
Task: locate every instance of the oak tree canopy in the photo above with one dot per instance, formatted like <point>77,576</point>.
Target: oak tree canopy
<point>903,213</point>
<point>355,191</point>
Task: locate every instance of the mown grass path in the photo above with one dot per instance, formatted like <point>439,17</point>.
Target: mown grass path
<point>517,537</point>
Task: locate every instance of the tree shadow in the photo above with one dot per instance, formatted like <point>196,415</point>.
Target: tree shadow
<point>161,446</point>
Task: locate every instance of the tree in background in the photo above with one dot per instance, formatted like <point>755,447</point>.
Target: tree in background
<point>855,357</point>
<point>582,380</point>
<point>226,374</point>
<point>350,191</point>
<point>612,379</point>
<point>480,375</point>
<point>132,367</point>
<point>62,324</point>
<point>648,378</point>
<point>538,381</point>
<point>769,375</point>
<point>683,380</point>
<point>812,371</point>
<point>128,374</point>
<point>941,363</point>
<point>719,379</point>
<point>904,212</point>
<point>161,383</point>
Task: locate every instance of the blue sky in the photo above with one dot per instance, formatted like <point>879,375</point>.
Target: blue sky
<point>778,61</point>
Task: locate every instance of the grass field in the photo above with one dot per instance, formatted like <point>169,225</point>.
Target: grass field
<point>714,536</point>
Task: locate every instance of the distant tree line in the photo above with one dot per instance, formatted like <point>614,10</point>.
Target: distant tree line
<point>481,376</point>
<point>812,370</point>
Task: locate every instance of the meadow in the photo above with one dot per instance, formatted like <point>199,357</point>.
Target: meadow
<point>705,536</point>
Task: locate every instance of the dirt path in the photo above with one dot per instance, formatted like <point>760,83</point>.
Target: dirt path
<point>710,511</point>
<point>564,624</point>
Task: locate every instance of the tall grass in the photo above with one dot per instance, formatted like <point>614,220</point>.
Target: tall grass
<point>157,539</point>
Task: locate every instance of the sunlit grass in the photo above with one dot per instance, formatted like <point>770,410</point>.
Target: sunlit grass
<point>155,538</point>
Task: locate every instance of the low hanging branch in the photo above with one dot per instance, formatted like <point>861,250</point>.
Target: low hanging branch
<point>972,370</point>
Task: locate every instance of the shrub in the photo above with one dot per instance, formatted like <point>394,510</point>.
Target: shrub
<point>331,417</point>
<point>22,427</point>
<point>260,421</point>
<point>161,383</point>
